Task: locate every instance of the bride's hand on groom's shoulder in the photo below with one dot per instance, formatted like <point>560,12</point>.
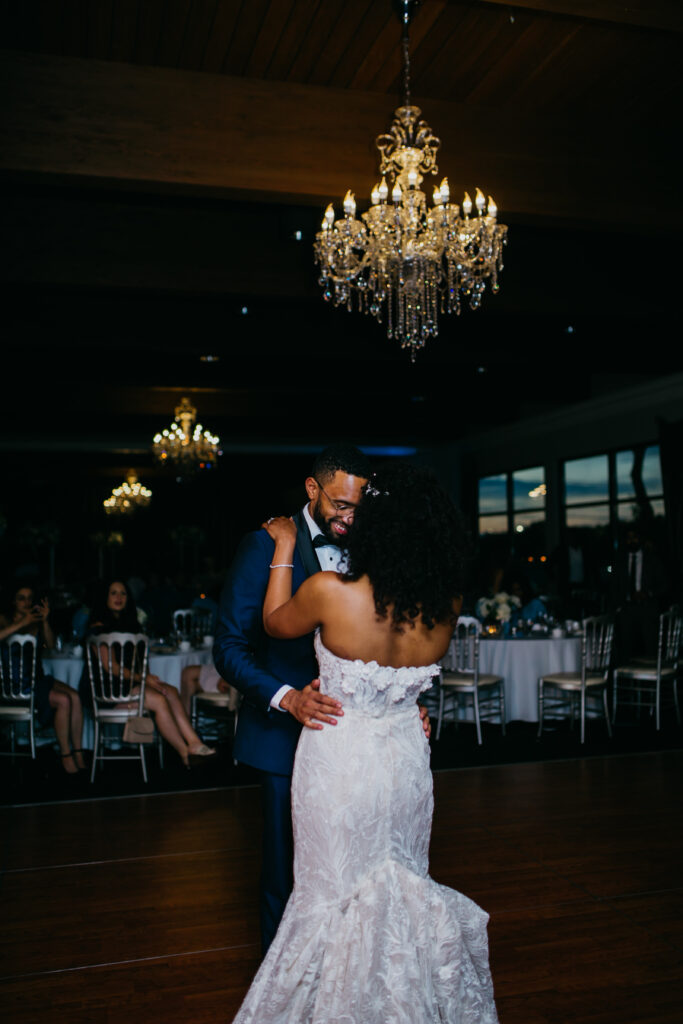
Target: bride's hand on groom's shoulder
<point>280,528</point>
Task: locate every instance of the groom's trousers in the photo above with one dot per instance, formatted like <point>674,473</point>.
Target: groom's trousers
<point>277,869</point>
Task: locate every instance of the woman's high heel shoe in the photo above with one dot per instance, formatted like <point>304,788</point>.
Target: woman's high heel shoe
<point>201,754</point>
<point>71,774</point>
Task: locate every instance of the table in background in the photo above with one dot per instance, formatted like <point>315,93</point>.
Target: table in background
<point>68,668</point>
<point>521,661</point>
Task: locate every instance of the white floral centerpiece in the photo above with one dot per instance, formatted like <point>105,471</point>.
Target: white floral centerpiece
<point>497,608</point>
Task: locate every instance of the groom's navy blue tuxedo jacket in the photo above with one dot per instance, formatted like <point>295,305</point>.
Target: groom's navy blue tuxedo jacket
<point>258,665</point>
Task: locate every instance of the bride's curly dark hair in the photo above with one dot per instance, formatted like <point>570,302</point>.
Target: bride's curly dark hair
<point>409,538</point>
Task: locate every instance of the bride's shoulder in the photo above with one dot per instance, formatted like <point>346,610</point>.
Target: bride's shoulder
<point>325,580</point>
<point>333,584</point>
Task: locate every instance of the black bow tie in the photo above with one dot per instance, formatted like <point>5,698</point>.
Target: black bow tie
<point>321,541</point>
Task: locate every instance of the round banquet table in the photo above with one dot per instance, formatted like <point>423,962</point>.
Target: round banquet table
<point>68,668</point>
<point>521,661</point>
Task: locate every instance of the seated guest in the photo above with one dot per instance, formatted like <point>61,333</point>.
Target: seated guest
<point>116,612</point>
<point>204,679</point>
<point>531,606</point>
<point>80,616</point>
<point>55,702</point>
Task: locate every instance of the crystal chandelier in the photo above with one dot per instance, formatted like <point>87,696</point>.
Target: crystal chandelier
<point>403,259</point>
<point>130,496</point>
<point>185,444</point>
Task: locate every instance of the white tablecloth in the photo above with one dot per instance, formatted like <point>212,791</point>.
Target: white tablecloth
<point>520,662</point>
<point>168,667</point>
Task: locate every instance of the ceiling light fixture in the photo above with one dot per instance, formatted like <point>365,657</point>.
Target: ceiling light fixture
<point>131,495</point>
<point>404,260</point>
<point>185,445</point>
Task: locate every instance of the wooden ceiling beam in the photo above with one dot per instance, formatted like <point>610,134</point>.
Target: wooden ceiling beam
<point>666,15</point>
<point>71,119</point>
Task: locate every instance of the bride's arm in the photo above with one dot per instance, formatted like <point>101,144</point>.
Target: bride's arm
<point>285,616</point>
<point>279,590</point>
<point>302,613</point>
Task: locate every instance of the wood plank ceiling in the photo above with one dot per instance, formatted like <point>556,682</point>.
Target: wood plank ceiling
<point>557,58</point>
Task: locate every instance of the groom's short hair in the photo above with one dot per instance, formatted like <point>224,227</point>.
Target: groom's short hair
<point>341,457</point>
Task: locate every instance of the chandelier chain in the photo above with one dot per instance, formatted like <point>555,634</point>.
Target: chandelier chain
<point>405,43</point>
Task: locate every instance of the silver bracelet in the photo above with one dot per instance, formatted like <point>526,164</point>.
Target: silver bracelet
<point>282,565</point>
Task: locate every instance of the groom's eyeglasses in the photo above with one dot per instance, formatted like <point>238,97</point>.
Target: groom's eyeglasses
<point>342,507</point>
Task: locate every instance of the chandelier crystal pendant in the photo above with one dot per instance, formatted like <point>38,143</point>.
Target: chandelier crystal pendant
<point>130,496</point>
<point>186,444</point>
<point>403,259</point>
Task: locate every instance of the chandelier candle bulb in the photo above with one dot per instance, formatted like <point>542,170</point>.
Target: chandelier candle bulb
<point>349,204</point>
<point>383,190</point>
<point>374,196</point>
<point>467,205</point>
<point>492,208</point>
<point>396,194</point>
<point>479,200</point>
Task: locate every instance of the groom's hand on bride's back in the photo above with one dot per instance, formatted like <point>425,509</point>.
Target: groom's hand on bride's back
<point>310,707</point>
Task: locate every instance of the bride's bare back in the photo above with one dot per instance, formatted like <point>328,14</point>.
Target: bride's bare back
<point>350,626</point>
<point>353,629</point>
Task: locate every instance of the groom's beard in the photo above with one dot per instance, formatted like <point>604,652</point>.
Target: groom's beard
<point>326,526</point>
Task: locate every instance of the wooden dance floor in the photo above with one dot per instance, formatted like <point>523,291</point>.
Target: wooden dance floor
<point>144,908</point>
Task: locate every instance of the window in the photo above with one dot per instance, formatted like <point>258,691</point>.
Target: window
<point>528,488</point>
<point>586,480</point>
<point>638,480</point>
<point>605,490</point>
<point>493,515</point>
<point>514,500</point>
<point>650,473</point>
<point>493,494</point>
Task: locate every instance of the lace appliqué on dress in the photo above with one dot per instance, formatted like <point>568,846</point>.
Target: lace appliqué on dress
<point>372,686</point>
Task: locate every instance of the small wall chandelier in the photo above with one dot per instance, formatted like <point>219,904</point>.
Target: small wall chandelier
<point>405,260</point>
<point>185,444</point>
<point>130,496</point>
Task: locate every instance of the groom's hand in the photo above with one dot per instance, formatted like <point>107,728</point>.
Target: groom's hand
<point>311,707</point>
<point>426,724</point>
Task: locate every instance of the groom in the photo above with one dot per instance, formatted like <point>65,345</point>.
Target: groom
<point>277,677</point>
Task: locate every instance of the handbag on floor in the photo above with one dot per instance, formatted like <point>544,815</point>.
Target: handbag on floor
<point>138,730</point>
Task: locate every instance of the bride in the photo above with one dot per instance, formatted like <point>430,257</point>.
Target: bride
<point>367,936</point>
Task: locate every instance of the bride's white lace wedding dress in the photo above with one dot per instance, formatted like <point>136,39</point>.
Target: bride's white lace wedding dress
<point>367,936</point>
